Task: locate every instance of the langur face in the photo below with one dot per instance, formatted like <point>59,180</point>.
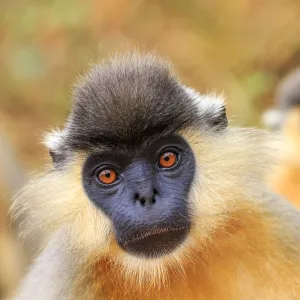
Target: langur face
<point>144,192</point>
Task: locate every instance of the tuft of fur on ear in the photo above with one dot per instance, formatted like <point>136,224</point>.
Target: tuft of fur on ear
<point>211,107</point>
<point>54,141</point>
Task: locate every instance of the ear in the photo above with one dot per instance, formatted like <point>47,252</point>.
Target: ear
<point>211,108</point>
<point>54,142</point>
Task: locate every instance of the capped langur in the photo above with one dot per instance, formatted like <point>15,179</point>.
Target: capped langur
<point>152,196</point>
<point>285,117</point>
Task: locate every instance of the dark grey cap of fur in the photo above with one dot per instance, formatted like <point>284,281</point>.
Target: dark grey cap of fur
<point>130,99</point>
<point>288,92</point>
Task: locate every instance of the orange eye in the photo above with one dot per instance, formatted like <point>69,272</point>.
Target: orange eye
<point>168,159</point>
<point>107,176</point>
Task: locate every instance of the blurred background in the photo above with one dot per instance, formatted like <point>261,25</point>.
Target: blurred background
<point>241,48</point>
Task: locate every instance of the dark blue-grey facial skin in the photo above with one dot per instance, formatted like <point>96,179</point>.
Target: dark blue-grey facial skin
<point>147,203</point>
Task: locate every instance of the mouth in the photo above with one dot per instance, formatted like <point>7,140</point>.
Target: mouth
<point>156,242</point>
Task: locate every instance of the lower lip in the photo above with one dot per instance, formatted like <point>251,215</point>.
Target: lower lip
<point>155,243</point>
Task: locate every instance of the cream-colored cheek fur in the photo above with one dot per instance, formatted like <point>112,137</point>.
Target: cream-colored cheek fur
<point>56,199</point>
<point>232,168</point>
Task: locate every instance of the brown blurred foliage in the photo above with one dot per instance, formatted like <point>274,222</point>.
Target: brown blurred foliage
<point>239,47</point>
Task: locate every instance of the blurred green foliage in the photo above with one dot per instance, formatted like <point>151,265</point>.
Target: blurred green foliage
<point>239,47</point>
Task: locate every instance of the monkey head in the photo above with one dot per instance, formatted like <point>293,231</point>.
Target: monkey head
<point>143,170</point>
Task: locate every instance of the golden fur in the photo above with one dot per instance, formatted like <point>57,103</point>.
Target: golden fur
<point>234,251</point>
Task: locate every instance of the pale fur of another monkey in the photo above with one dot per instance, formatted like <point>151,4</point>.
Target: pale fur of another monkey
<point>285,116</point>
<point>244,241</point>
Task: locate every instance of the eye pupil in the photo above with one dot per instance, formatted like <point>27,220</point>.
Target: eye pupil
<point>107,174</point>
<point>167,158</point>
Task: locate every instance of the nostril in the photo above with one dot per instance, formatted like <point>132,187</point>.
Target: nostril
<point>150,199</point>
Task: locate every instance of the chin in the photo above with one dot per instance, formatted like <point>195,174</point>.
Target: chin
<point>153,267</point>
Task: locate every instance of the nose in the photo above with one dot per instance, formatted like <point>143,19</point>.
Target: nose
<point>146,196</point>
<point>143,183</point>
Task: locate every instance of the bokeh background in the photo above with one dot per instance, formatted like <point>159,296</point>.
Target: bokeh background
<point>241,48</point>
